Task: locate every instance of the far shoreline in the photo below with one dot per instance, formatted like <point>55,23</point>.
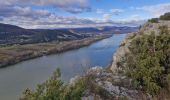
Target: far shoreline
<point>55,49</point>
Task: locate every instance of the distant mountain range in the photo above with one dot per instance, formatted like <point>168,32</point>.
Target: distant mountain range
<point>10,34</point>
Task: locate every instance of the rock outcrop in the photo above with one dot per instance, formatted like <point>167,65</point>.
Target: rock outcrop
<point>121,52</point>
<point>118,65</point>
<point>116,86</point>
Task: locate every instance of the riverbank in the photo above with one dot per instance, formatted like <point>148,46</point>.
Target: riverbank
<point>18,53</point>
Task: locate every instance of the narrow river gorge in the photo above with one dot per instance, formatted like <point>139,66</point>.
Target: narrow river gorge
<point>16,78</point>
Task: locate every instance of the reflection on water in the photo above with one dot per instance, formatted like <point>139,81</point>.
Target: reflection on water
<point>14,79</point>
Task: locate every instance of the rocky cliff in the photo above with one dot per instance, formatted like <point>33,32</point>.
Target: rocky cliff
<point>118,58</point>
<point>118,66</point>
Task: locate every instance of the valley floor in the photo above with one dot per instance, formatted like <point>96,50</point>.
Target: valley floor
<point>10,55</point>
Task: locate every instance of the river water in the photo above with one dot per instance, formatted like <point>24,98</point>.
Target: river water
<point>16,78</point>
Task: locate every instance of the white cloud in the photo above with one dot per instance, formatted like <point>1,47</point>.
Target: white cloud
<point>53,21</point>
<point>134,18</point>
<point>116,11</point>
<point>29,18</point>
<point>72,6</point>
<point>23,11</point>
<point>156,10</point>
<point>19,12</point>
<point>106,17</point>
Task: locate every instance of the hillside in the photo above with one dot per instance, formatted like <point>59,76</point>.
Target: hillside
<point>105,29</point>
<point>10,34</point>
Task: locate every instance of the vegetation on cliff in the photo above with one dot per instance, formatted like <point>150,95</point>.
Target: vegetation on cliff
<point>55,89</point>
<point>153,20</point>
<point>148,62</point>
<point>166,17</point>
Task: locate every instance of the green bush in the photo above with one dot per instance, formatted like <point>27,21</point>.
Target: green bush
<point>166,16</point>
<point>54,89</point>
<point>153,20</point>
<point>148,64</point>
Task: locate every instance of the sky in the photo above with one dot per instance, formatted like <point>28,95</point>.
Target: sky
<point>51,14</point>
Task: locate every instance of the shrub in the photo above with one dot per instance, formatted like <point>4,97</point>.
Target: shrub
<point>153,20</point>
<point>166,16</point>
<point>148,64</point>
<point>54,89</point>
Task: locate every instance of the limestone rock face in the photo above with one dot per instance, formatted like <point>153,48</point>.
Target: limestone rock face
<point>121,52</point>
<point>95,71</point>
<point>117,86</point>
<point>73,80</point>
<point>148,27</point>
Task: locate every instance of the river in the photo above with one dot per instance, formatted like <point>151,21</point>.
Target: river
<point>16,78</point>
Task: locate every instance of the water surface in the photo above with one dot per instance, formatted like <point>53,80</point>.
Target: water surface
<point>16,78</point>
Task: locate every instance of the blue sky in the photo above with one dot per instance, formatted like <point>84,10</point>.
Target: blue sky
<point>126,5</point>
<point>79,13</point>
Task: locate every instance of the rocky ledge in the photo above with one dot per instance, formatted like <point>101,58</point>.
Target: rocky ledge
<point>116,87</point>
